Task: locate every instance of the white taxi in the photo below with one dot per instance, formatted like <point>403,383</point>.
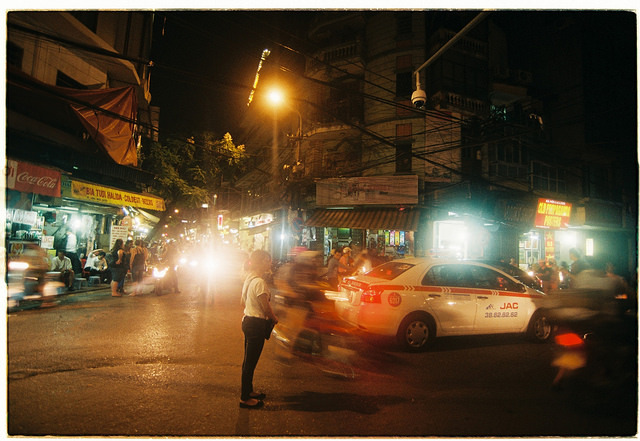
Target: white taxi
<point>417,299</point>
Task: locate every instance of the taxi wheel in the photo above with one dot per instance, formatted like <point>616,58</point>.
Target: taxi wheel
<point>540,328</point>
<point>416,332</point>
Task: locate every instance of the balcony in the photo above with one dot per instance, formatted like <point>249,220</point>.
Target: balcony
<point>461,103</point>
<point>347,54</point>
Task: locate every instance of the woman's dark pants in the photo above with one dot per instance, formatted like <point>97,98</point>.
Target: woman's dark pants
<point>254,332</point>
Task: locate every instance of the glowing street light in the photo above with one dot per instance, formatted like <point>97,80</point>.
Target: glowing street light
<point>276,97</point>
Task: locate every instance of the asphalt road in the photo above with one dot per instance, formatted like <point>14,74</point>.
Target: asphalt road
<point>170,366</point>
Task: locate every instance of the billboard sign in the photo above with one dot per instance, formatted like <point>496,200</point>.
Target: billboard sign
<point>552,214</point>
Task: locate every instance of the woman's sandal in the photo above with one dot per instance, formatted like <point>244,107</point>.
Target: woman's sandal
<point>245,404</point>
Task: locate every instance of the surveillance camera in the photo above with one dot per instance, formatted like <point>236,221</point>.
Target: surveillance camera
<point>419,98</point>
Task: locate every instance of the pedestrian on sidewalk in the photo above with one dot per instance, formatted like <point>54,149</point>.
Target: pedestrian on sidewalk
<point>257,323</point>
<point>126,248</point>
<point>138,260</point>
<point>63,264</point>
<point>118,267</point>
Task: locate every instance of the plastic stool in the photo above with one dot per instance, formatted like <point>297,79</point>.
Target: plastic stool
<point>94,280</point>
<point>79,282</point>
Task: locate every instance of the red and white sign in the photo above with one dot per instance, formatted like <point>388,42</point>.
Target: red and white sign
<point>28,178</point>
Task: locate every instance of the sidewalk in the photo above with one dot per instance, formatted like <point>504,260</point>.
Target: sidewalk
<point>65,296</point>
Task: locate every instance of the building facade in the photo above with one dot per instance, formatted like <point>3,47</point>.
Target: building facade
<point>77,106</point>
<point>511,157</point>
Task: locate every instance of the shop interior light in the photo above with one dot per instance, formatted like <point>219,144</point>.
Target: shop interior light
<point>69,208</point>
<point>589,247</point>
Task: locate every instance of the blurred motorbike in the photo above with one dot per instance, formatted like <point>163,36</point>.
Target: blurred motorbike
<point>160,279</point>
<point>596,349</point>
<point>312,332</point>
<point>27,279</point>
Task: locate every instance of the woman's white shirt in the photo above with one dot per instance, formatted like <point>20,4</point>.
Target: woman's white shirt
<point>254,286</point>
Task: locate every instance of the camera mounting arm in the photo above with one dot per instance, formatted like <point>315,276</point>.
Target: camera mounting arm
<point>419,92</point>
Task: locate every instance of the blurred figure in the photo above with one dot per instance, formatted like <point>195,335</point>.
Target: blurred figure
<point>71,250</point>
<point>38,264</point>
<point>564,276</point>
<point>513,262</point>
<point>578,264</point>
<point>333,267</point>
<point>555,276</point>
<point>300,279</point>
<point>363,263</point>
<point>139,257</point>
<point>544,273</point>
<point>128,245</point>
<point>118,267</point>
<point>170,258</point>
<point>63,264</point>
<point>347,262</point>
<point>622,291</point>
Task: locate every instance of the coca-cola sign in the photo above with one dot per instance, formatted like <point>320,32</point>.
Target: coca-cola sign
<point>30,178</point>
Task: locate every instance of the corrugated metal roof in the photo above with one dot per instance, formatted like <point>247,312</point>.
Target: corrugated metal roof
<point>406,219</point>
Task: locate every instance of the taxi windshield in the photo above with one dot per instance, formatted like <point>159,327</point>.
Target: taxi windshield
<point>389,270</point>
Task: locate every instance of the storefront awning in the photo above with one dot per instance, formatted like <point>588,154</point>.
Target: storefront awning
<point>406,219</point>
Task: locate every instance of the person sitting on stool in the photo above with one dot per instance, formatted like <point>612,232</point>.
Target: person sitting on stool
<point>63,264</point>
<point>97,266</point>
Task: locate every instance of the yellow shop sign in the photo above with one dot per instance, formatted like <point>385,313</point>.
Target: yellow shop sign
<point>107,195</point>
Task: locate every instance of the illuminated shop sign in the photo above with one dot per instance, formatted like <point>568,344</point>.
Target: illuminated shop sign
<point>258,220</point>
<point>112,196</point>
<point>552,214</point>
<point>29,178</point>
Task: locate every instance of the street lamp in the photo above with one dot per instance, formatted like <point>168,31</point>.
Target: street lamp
<point>276,97</point>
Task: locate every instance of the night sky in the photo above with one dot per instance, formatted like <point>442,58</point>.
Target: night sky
<point>206,60</point>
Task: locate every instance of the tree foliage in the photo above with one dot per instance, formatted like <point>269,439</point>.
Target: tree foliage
<point>189,171</point>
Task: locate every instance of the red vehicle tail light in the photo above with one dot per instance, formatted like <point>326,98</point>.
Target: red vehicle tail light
<point>371,297</point>
<point>569,339</point>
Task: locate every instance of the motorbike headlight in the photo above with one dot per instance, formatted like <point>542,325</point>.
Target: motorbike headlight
<point>159,274</point>
<point>18,265</point>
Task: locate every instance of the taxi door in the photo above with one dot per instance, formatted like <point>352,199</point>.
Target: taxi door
<point>502,306</point>
<point>450,300</point>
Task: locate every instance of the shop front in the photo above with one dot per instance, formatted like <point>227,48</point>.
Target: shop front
<point>95,214</point>
<point>24,225</point>
<point>388,230</point>
<point>373,212</point>
<point>548,229</point>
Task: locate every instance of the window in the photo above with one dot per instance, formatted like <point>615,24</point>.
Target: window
<point>389,271</point>
<point>448,275</point>
<point>403,148</point>
<point>468,276</point>
<point>508,159</point>
<point>404,86</point>
<point>403,157</point>
<point>547,178</point>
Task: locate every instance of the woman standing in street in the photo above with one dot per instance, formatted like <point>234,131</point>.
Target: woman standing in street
<point>257,323</point>
<point>118,267</point>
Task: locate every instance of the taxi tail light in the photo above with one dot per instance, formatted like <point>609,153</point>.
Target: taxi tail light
<point>569,339</point>
<point>371,297</point>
